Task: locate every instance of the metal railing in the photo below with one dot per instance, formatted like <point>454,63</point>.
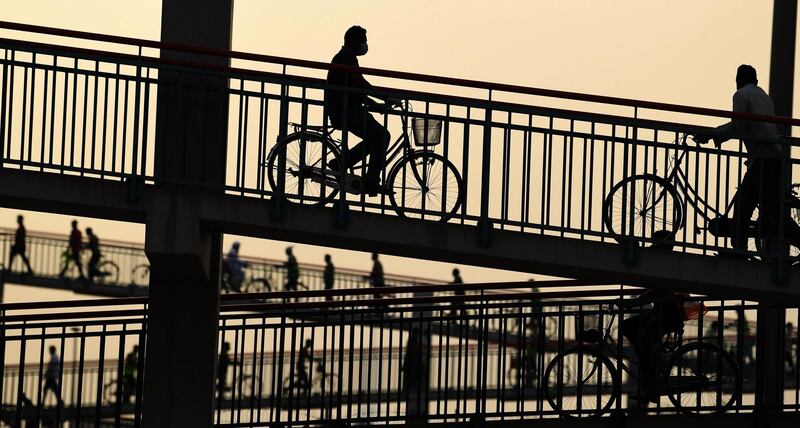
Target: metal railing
<point>73,361</point>
<point>426,357</point>
<point>510,157</point>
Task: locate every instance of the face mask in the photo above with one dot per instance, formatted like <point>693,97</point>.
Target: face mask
<point>362,50</point>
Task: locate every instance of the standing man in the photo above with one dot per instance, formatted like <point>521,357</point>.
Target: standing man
<point>74,251</point>
<point>94,248</point>
<point>353,115</point>
<point>18,248</point>
<point>51,376</point>
<point>762,183</point>
<point>376,275</point>
<point>328,275</point>
<point>292,271</point>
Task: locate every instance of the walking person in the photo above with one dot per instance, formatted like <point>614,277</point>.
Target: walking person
<point>18,248</point>
<point>457,308</point>
<point>73,253</point>
<point>292,270</point>
<point>328,275</point>
<point>376,275</point>
<point>762,183</point>
<point>51,377</point>
<point>787,350</point>
<point>223,363</point>
<point>129,373</point>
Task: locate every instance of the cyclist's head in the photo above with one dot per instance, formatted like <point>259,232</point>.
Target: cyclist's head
<point>74,224</point>
<point>52,349</point>
<point>745,74</point>
<point>355,38</point>
<point>19,219</point>
<point>327,258</point>
<point>88,230</point>
<point>374,256</point>
<point>236,245</point>
<point>288,251</point>
<point>456,272</point>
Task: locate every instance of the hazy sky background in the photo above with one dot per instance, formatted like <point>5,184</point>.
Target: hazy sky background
<point>675,51</point>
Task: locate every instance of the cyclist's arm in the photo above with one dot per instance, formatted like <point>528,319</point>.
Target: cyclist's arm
<point>736,126</point>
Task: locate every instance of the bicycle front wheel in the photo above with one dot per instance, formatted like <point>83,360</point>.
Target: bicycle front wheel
<point>306,177</point>
<point>701,378</point>
<point>580,383</point>
<point>425,185</point>
<point>641,205</point>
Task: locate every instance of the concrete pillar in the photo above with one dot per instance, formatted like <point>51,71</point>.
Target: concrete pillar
<point>770,334</point>
<point>182,324</point>
<point>190,146</point>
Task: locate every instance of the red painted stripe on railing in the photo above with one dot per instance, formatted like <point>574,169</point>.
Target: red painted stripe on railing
<point>478,84</point>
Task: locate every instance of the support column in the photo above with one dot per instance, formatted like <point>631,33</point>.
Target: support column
<point>182,323</point>
<point>190,147</point>
<point>770,334</point>
<point>416,365</point>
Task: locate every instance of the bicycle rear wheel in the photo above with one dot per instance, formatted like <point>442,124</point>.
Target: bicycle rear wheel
<point>425,185</point>
<point>701,378</point>
<point>257,285</point>
<point>109,272</point>
<point>306,177</point>
<point>580,383</point>
<point>641,205</point>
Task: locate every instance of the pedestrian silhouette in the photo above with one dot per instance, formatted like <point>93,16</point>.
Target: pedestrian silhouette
<point>457,308</point>
<point>348,110</point>
<point>73,253</point>
<point>18,247</point>
<point>51,377</point>
<point>292,271</point>
<point>328,275</point>
<point>223,363</point>
<point>376,275</point>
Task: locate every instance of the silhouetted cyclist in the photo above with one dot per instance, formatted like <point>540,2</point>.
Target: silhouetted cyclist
<point>94,247</point>
<point>348,110</point>
<point>235,267</point>
<point>646,329</point>
<point>19,246</point>
<point>304,357</point>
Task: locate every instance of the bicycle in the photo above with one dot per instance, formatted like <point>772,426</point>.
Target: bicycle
<point>107,270</point>
<point>314,385</point>
<point>116,388</point>
<point>420,182</point>
<point>698,376</point>
<point>643,204</point>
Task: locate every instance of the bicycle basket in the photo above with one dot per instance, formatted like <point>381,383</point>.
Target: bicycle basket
<point>427,132</point>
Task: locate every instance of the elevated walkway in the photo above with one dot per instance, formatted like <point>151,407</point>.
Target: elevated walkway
<point>530,174</point>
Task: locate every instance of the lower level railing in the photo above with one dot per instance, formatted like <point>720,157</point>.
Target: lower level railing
<point>425,357</point>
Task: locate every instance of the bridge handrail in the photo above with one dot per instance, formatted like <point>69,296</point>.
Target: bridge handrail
<point>478,84</point>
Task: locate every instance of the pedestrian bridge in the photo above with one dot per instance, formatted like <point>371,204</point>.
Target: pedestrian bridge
<point>364,359</point>
<point>129,270</point>
<point>522,178</point>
